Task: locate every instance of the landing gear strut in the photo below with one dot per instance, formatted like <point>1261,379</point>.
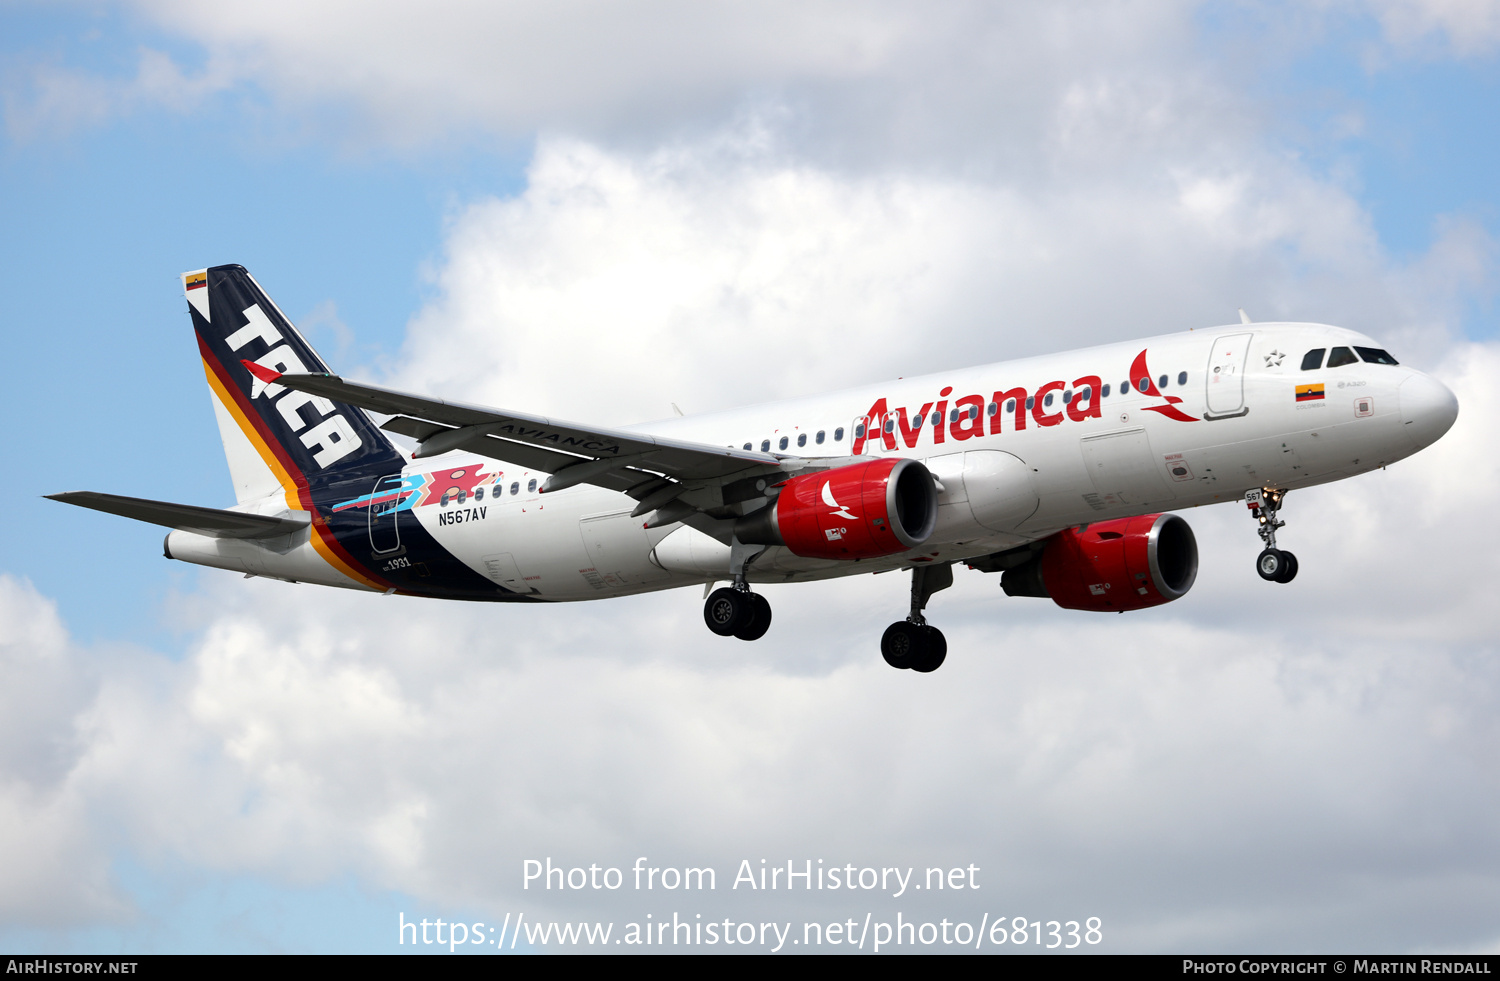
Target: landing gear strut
<point>914,643</point>
<point>734,611</point>
<point>1273,564</point>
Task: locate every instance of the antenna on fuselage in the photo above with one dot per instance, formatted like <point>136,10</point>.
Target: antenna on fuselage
<point>1245,317</point>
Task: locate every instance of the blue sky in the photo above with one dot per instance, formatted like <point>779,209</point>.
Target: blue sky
<point>357,209</point>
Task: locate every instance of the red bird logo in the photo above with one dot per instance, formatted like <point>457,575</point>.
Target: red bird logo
<point>1140,380</point>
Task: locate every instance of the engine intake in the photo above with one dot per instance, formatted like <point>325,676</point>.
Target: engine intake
<point>861,511</point>
<point>1112,566</point>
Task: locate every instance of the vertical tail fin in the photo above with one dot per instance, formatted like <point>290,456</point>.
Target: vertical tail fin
<point>273,437</point>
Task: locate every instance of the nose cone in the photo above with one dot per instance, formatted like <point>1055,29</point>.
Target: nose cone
<point>1428,409</point>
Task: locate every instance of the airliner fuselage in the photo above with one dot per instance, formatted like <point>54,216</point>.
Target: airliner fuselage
<point>1014,463</point>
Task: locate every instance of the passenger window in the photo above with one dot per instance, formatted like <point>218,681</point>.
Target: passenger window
<point>992,408</point>
<point>801,439</point>
<point>1374,355</point>
<point>781,445</point>
<point>479,493</point>
<point>1030,401</point>
<point>973,412</point>
<point>1105,393</point>
<point>1313,360</point>
<point>1048,400</point>
<point>531,486</point>
<point>1161,382</point>
<point>765,446</point>
<point>1341,356</point>
<point>838,435</point>
<point>937,417</point>
<point>859,431</point>
<point>1067,397</point>
<point>516,487</point>
<point>890,424</point>
<point>1124,387</point>
<point>1010,405</point>
<point>1144,384</point>
<point>747,446</point>
<point>1182,378</point>
<point>819,438</point>
<point>953,416</point>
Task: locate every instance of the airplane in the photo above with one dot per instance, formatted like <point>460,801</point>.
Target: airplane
<point>1060,473</point>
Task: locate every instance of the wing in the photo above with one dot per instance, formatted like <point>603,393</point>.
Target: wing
<point>654,470</point>
<point>185,517</point>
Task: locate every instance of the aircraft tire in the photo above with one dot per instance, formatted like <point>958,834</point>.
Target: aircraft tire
<point>727,611</point>
<point>760,619</point>
<point>904,644</point>
<point>1271,564</point>
<point>936,653</point>
<point>1290,572</point>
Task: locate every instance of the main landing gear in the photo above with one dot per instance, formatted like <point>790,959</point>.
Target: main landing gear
<point>734,611</point>
<point>914,643</point>
<point>1273,564</point>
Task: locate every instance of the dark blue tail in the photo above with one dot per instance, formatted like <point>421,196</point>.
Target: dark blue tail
<point>303,440</point>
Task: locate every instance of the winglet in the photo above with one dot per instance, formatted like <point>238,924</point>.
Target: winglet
<point>261,371</point>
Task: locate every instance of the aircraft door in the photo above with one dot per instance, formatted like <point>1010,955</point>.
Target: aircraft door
<point>1226,376</point>
<point>385,502</point>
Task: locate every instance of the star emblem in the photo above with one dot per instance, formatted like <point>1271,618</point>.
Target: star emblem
<point>1273,360</point>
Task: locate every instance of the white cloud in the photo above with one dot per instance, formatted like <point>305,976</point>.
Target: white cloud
<point>1255,766</point>
<point>53,100</point>
<point>52,860</point>
<point>1470,27</point>
<point>858,78</point>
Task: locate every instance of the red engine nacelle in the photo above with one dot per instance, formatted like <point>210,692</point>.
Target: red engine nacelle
<point>1112,566</point>
<point>861,511</point>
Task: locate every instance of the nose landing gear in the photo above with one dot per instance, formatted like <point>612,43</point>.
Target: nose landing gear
<point>1273,564</point>
<point>914,643</point>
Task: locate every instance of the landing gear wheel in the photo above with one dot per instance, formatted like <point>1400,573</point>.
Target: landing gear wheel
<point>1272,564</point>
<point>1290,572</point>
<point>728,611</point>
<point>913,645</point>
<point>937,651</point>
<point>903,644</point>
<point>760,619</point>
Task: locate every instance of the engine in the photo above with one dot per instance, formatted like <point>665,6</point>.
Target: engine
<point>1112,566</point>
<point>861,511</point>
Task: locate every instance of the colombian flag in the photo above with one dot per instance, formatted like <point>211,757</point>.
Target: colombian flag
<point>1309,393</point>
<point>197,280</point>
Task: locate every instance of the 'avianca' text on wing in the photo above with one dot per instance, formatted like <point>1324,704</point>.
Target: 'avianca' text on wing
<point>1060,473</point>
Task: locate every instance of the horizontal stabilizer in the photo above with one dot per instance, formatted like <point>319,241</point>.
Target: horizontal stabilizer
<point>185,517</point>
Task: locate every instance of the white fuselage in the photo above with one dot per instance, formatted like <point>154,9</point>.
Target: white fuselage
<point>1228,419</point>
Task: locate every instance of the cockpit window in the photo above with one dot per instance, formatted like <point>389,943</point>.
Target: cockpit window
<point>1375,355</point>
<point>1313,360</point>
<point>1341,356</point>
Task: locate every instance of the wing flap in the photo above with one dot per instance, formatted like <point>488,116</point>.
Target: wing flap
<point>520,454</point>
<point>185,517</point>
